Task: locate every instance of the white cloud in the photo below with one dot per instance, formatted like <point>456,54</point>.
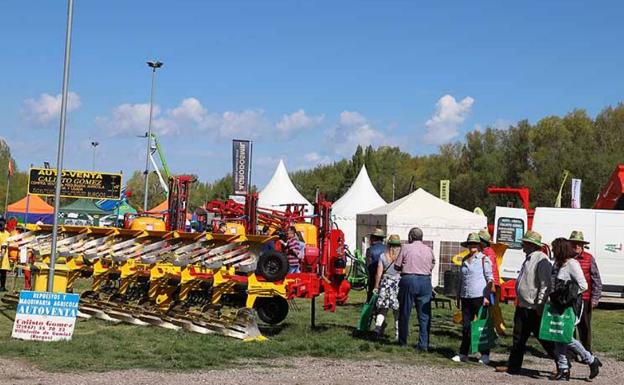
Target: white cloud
<point>48,107</point>
<point>315,159</point>
<point>448,117</point>
<point>353,129</point>
<point>128,119</point>
<point>190,115</point>
<point>297,121</point>
<point>243,125</point>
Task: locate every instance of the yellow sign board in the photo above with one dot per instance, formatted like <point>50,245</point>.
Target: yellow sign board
<point>445,186</point>
<point>75,184</point>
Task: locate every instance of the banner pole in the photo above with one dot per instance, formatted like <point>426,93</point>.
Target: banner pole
<point>250,163</point>
<point>6,197</point>
<point>61,142</point>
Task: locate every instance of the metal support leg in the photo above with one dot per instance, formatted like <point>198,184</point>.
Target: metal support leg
<point>313,313</point>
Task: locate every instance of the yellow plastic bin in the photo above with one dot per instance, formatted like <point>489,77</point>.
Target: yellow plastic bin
<point>42,271</point>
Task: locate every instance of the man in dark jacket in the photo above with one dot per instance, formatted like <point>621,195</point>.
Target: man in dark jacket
<point>373,253</point>
<point>591,296</point>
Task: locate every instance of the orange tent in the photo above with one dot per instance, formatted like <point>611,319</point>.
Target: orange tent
<point>37,209</point>
<point>161,208</point>
<point>164,207</point>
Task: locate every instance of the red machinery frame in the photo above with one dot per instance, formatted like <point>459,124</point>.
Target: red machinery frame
<point>611,196</point>
<point>179,189</point>
<point>175,217</point>
<point>522,193</point>
<point>252,216</point>
<point>324,274</point>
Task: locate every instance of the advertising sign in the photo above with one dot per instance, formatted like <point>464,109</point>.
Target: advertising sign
<point>44,316</point>
<point>445,186</point>
<point>576,194</point>
<point>241,162</point>
<point>75,184</point>
<point>510,232</point>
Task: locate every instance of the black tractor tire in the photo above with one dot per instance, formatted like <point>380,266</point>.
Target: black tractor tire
<point>271,310</point>
<point>273,266</point>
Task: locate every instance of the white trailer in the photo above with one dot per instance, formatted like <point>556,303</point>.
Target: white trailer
<point>604,229</point>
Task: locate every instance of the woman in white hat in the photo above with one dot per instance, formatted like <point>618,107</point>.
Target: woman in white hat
<point>475,286</point>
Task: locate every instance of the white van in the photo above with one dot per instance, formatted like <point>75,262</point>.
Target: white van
<point>604,229</point>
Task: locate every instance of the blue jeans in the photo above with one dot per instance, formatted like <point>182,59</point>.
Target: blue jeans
<point>415,289</point>
<point>575,346</point>
<point>293,269</point>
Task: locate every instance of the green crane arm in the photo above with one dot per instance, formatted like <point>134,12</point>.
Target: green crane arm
<point>161,155</point>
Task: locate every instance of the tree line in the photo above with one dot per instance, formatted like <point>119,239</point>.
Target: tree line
<point>524,154</point>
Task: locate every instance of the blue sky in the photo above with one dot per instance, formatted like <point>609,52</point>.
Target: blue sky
<point>306,80</point>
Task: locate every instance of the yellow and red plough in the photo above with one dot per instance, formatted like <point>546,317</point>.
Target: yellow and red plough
<point>200,282</point>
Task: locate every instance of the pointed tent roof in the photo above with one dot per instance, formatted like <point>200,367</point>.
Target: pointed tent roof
<point>361,196</point>
<point>35,206</point>
<point>83,206</point>
<point>162,207</point>
<point>280,191</point>
<point>425,209</point>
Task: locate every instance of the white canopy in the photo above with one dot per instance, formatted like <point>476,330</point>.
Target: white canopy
<point>360,197</point>
<point>281,191</point>
<point>440,222</point>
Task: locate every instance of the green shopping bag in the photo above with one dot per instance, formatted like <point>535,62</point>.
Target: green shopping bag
<point>367,314</point>
<point>556,326</point>
<point>482,335</point>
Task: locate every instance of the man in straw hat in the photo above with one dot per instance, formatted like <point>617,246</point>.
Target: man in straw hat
<point>415,262</point>
<point>532,289</point>
<point>373,253</point>
<point>591,296</point>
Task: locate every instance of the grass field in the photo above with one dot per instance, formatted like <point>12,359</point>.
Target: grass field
<point>100,346</point>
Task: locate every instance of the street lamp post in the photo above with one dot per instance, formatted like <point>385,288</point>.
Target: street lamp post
<point>94,145</point>
<point>154,65</point>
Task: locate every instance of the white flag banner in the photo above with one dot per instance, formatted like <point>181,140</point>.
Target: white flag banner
<point>576,194</point>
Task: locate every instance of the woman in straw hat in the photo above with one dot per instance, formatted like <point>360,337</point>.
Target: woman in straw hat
<point>387,284</point>
<point>476,281</point>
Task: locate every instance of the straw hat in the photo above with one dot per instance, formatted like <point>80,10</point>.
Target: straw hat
<point>473,239</point>
<point>577,237</point>
<point>485,236</point>
<point>394,240</point>
<point>378,233</point>
<point>532,237</point>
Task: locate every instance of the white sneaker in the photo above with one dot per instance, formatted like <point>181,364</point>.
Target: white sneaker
<point>485,359</point>
<point>460,358</point>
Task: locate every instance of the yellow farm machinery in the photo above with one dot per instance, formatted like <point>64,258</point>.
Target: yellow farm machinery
<point>200,282</point>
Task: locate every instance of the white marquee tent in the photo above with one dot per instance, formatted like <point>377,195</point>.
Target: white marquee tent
<point>360,197</point>
<point>442,223</point>
<point>281,191</point>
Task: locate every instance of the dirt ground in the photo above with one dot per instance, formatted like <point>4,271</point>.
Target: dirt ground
<point>316,371</point>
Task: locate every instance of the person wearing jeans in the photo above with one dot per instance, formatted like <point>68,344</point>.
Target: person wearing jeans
<point>415,263</point>
<point>567,269</point>
<point>475,287</point>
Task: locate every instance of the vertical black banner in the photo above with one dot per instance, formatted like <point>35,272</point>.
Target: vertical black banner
<point>241,156</point>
